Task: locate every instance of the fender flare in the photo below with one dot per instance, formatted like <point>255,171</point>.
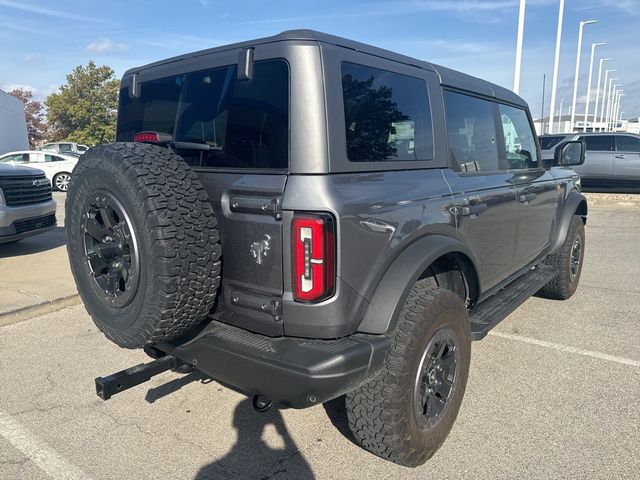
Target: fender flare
<point>402,274</point>
<point>569,209</point>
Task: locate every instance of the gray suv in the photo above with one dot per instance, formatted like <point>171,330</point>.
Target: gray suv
<point>303,217</point>
<point>612,160</point>
<point>26,205</point>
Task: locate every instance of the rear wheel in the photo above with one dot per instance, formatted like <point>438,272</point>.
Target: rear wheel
<point>405,414</point>
<point>568,261</point>
<point>142,241</point>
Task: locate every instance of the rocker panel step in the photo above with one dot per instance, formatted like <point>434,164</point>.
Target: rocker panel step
<point>497,307</point>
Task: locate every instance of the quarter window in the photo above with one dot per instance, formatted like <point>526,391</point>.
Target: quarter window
<point>598,143</point>
<point>625,143</point>
<point>472,133</point>
<point>387,115</point>
<point>519,143</point>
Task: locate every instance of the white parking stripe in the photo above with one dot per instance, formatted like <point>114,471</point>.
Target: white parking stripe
<point>37,451</point>
<point>564,348</point>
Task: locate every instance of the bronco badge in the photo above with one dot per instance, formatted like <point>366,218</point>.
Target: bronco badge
<point>260,249</point>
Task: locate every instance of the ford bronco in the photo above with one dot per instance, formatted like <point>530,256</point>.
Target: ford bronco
<point>303,217</point>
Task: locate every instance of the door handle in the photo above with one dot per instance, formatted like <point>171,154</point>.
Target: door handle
<point>620,156</point>
<point>475,209</point>
<point>527,197</point>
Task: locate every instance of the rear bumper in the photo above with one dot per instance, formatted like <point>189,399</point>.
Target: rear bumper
<point>292,372</point>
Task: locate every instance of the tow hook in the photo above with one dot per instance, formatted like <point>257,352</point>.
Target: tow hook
<point>261,404</point>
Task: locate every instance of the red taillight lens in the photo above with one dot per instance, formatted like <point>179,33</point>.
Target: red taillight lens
<point>146,137</point>
<point>313,257</point>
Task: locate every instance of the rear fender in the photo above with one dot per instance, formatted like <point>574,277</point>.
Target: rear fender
<point>400,277</point>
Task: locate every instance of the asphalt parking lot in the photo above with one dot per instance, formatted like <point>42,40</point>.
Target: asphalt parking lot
<point>554,392</point>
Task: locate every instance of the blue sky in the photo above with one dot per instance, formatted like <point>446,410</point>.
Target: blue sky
<point>43,41</point>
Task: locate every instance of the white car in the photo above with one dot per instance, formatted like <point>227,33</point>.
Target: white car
<point>56,167</point>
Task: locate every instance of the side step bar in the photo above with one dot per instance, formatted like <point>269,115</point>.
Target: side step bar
<point>497,307</point>
<point>106,387</point>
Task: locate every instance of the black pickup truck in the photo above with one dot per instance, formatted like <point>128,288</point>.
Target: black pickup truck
<point>303,217</point>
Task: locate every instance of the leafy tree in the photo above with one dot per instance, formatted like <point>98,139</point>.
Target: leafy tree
<point>34,113</point>
<point>84,109</point>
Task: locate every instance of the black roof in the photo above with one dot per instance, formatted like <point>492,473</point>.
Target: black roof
<point>447,76</point>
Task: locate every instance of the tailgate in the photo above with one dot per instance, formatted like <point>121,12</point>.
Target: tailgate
<point>248,210</point>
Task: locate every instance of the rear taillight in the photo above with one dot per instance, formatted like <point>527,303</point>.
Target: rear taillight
<point>313,252</point>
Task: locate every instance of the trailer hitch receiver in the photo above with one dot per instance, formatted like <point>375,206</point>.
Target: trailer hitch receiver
<point>108,386</point>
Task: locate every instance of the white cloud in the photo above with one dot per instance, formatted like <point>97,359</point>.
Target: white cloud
<point>33,57</point>
<point>7,87</point>
<point>104,46</point>
<point>25,7</point>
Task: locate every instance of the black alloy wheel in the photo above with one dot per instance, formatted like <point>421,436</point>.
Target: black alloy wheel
<point>110,248</point>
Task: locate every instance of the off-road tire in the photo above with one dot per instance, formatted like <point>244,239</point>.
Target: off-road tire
<point>381,412</point>
<point>565,284</point>
<point>177,241</point>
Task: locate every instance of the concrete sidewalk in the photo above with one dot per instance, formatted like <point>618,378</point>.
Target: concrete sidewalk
<point>34,274</point>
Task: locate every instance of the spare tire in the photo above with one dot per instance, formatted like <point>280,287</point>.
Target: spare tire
<point>142,242</point>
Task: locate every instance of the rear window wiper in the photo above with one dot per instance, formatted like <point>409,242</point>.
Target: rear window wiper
<point>194,146</point>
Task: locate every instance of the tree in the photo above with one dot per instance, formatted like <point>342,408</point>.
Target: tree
<point>84,109</point>
<point>34,114</point>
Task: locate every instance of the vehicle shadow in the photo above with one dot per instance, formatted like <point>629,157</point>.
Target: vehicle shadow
<point>337,413</point>
<point>39,243</point>
<point>156,393</point>
<point>252,457</point>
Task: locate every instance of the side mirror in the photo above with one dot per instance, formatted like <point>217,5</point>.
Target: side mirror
<point>569,154</point>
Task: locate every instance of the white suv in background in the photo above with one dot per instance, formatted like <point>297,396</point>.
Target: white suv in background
<point>68,148</point>
<point>56,167</point>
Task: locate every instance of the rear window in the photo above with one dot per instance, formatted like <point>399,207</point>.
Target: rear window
<point>547,143</point>
<point>387,115</point>
<point>215,119</point>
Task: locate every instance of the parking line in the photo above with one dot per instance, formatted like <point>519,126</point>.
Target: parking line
<point>43,456</point>
<point>564,348</point>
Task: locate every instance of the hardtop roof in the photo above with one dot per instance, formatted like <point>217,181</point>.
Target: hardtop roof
<point>448,77</point>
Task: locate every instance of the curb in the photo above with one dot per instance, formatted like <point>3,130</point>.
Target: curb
<point>25,313</point>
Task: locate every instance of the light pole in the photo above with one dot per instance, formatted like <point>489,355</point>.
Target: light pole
<point>612,99</point>
<point>595,110</point>
<point>606,115</point>
<point>614,117</point>
<point>586,108</point>
<point>556,61</point>
<point>559,116</point>
<point>604,97</point>
<point>575,81</point>
<point>516,74</point>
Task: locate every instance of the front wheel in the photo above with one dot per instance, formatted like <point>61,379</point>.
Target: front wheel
<point>405,413</point>
<point>61,181</point>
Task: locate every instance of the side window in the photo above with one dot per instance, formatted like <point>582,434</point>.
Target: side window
<point>519,142</point>
<point>65,147</point>
<point>625,143</point>
<point>598,143</point>
<point>387,115</point>
<point>472,132</point>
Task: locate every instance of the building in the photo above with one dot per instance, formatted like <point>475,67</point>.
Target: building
<point>563,125</point>
<point>13,125</point>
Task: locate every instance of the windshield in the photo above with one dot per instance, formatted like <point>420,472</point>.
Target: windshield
<point>214,119</point>
<point>548,142</point>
